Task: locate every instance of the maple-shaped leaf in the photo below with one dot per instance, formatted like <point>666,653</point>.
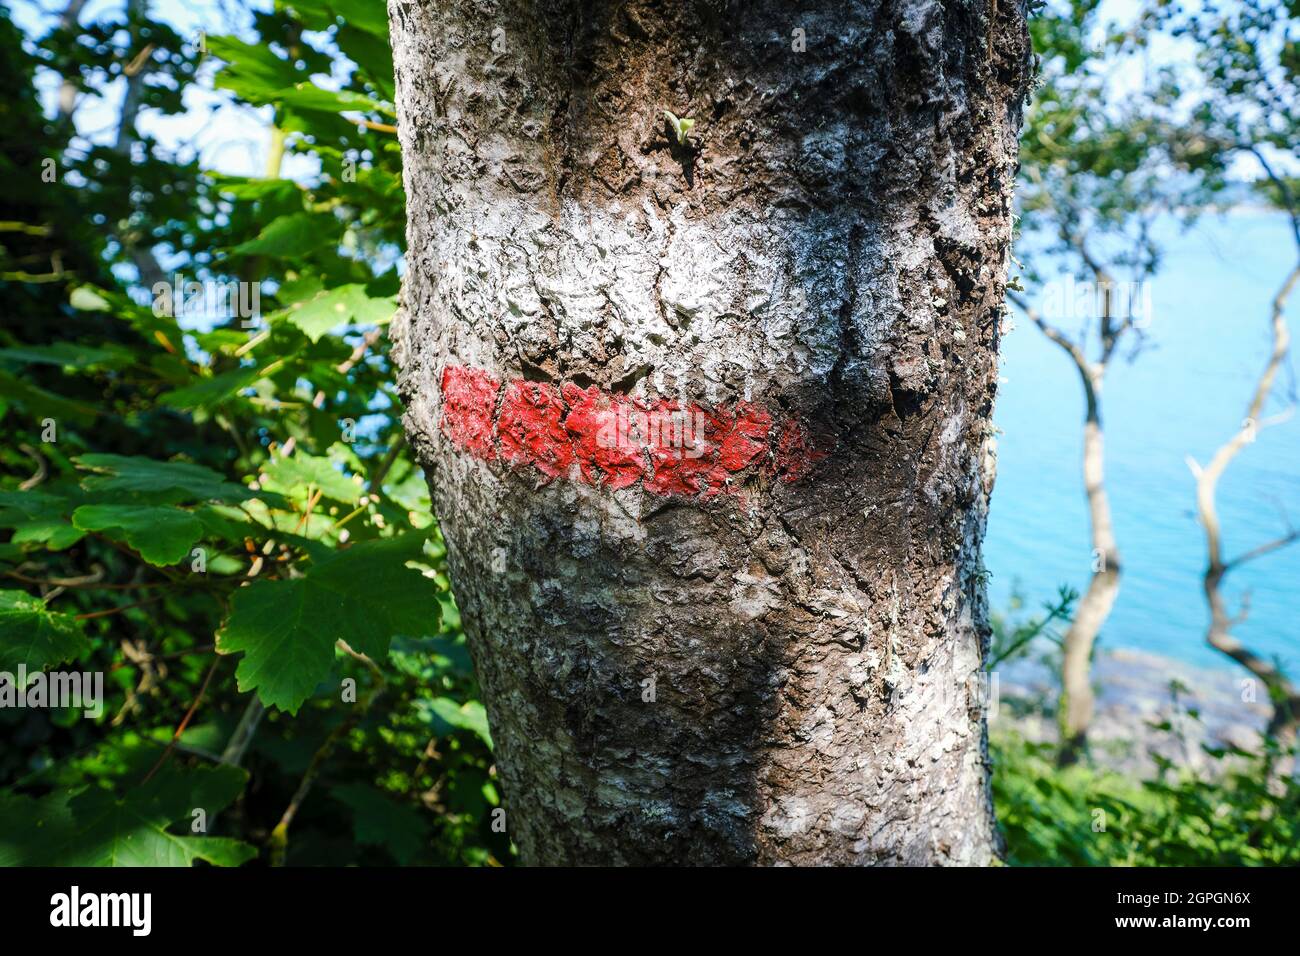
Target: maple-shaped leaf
<point>295,475</point>
<point>34,636</point>
<point>343,305</point>
<point>162,534</point>
<point>176,480</point>
<point>150,825</point>
<point>365,595</point>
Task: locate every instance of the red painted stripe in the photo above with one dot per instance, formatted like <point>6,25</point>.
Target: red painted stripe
<point>609,439</point>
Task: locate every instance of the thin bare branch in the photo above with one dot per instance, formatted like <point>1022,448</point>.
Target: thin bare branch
<point>1285,695</point>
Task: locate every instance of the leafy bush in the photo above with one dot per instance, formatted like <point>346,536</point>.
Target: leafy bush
<point>1084,816</point>
<point>212,505</point>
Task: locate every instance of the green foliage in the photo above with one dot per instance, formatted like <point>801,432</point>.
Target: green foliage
<point>137,429</point>
<point>1239,809</point>
<point>333,307</point>
<point>1014,636</point>
<point>175,480</point>
<point>38,517</point>
<point>213,505</point>
<point>446,716</point>
<point>161,534</point>
<point>33,636</point>
<point>94,826</point>
<point>1095,165</point>
<point>286,629</point>
<point>381,822</point>
<point>1082,816</point>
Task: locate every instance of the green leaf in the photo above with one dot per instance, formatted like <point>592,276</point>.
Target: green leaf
<point>207,392</point>
<point>39,518</point>
<point>681,127</point>
<point>142,318</point>
<point>291,236</point>
<point>306,96</point>
<point>364,595</point>
<point>254,72</point>
<point>279,192</point>
<point>163,535</point>
<point>136,474</point>
<point>368,15</point>
<point>87,299</point>
<point>34,636</point>
<point>445,715</point>
<point>314,14</point>
<point>222,522</point>
<point>42,403</point>
<point>378,820</point>
<point>296,291</point>
<point>68,355</point>
<point>372,53</point>
<point>96,827</point>
<point>299,471</point>
<point>334,307</point>
<point>427,657</point>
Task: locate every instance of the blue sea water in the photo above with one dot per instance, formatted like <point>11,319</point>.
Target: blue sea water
<point>1184,395</point>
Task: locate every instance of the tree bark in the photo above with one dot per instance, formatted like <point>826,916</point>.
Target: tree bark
<point>761,644</point>
<point>1077,698</point>
<point>1077,701</point>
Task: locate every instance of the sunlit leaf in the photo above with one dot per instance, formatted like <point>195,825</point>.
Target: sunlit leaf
<point>364,595</point>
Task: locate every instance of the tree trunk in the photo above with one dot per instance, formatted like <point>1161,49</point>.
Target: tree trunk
<point>706,418</point>
<point>1284,725</point>
<point>1094,608</point>
<point>1075,708</point>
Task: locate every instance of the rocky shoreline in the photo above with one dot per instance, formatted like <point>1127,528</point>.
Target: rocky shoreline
<point>1146,704</point>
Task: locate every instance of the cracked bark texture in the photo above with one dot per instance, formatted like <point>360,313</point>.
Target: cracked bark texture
<point>787,674</point>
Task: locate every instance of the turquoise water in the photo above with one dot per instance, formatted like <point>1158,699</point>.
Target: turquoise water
<point>1185,394</point>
